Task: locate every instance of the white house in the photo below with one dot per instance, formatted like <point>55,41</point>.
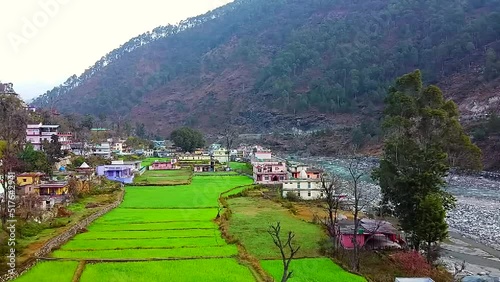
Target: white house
<point>102,150</point>
<point>37,133</point>
<point>304,181</point>
<point>220,155</point>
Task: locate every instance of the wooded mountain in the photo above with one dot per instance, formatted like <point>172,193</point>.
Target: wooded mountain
<point>291,63</point>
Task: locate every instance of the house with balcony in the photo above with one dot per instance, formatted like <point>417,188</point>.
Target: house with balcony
<point>102,150</point>
<point>304,181</point>
<point>65,140</point>
<point>37,133</point>
<point>269,172</point>
<point>220,155</point>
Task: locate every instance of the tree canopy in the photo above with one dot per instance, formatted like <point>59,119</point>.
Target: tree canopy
<point>187,138</point>
<point>423,138</point>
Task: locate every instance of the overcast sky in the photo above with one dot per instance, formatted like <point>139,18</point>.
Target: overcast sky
<point>43,42</point>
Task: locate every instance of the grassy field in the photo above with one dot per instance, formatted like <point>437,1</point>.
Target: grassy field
<point>311,270</point>
<point>45,272</point>
<point>202,192</point>
<point>164,177</point>
<point>207,270</point>
<point>251,218</point>
<point>172,222</point>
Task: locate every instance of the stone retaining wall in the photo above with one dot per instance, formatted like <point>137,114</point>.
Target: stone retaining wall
<point>62,238</point>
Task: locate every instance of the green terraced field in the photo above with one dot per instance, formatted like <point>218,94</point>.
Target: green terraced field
<point>173,223</point>
<point>202,192</point>
<point>197,252</point>
<point>206,270</point>
<point>165,177</point>
<point>311,270</point>
<point>44,272</point>
<point>98,244</point>
<point>154,226</point>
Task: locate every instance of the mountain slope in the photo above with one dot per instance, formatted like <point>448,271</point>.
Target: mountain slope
<point>275,64</point>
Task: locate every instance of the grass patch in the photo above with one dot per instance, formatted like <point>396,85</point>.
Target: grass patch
<point>208,270</point>
<point>311,270</point>
<point>153,226</point>
<point>133,216</point>
<point>165,177</point>
<point>250,221</point>
<point>186,233</point>
<point>220,251</point>
<point>202,192</point>
<point>141,243</point>
<point>50,271</point>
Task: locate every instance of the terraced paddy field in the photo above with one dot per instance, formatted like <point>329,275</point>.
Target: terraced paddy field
<point>157,234</point>
<point>164,177</point>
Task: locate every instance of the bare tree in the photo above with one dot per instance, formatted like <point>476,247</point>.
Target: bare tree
<point>359,202</point>
<point>458,269</point>
<point>30,206</point>
<point>332,201</point>
<point>275,232</point>
<point>230,134</point>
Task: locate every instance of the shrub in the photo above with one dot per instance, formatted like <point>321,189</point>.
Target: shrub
<point>30,229</point>
<point>412,263</point>
<point>292,197</point>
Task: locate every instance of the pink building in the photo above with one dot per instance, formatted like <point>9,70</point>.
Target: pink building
<point>37,133</point>
<point>371,234</point>
<point>162,165</point>
<point>269,172</point>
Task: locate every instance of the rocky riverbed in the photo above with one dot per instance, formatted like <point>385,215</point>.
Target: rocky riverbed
<point>477,213</point>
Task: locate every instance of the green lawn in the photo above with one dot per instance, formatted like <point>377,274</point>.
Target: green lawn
<point>207,270</point>
<point>251,219</point>
<point>136,215</point>
<point>50,271</point>
<point>311,270</point>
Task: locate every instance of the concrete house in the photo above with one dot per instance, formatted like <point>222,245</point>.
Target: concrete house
<point>37,133</point>
<point>164,165</point>
<point>269,172</point>
<point>304,181</point>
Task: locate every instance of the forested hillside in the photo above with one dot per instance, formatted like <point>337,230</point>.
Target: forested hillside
<point>281,63</point>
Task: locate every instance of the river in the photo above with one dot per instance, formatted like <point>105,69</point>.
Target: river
<point>474,223</point>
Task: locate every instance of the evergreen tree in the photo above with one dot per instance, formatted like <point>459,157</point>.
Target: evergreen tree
<point>422,139</point>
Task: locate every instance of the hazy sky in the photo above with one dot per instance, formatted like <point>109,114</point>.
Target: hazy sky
<point>43,42</point>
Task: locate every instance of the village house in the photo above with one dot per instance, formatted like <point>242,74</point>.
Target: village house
<point>371,234</point>
<point>117,172</point>
<point>189,157</point>
<point>269,172</point>
<point>102,150</point>
<point>220,155</point>
<point>304,181</point>
<point>164,165</point>
<point>53,189</point>
<point>203,167</point>
<point>28,182</point>
<point>65,140</point>
<point>37,133</point>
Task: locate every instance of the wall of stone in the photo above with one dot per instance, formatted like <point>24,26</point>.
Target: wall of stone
<point>61,239</point>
